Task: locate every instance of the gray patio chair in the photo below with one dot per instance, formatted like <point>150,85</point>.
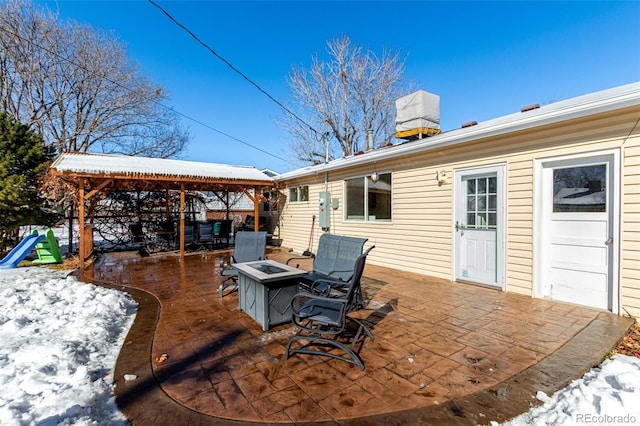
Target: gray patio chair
<point>333,265</point>
<point>324,326</point>
<point>249,247</point>
<point>190,229</point>
<point>205,235</point>
<point>337,287</point>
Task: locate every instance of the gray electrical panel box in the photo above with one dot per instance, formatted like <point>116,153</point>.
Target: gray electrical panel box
<point>324,208</point>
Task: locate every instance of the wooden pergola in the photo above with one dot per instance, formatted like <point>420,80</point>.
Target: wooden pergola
<point>96,175</point>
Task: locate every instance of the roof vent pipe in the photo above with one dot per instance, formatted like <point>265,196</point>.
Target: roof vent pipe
<point>369,142</point>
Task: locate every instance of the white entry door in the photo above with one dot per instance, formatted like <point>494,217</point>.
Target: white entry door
<point>578,230</point>
<point>479,227</point>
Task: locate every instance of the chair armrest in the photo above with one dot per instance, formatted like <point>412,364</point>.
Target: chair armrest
<point>224,264</point>
<point>301,299</point>
<point>338,270</point>
<point>330,283</point>
<point>299,258</point>
<point>309,296</point>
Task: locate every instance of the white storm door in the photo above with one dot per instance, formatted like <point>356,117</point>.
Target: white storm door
<point>479,216</point>
<point>578,231</point>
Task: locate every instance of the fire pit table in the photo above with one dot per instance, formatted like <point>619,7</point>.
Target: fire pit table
<point>265,289</point>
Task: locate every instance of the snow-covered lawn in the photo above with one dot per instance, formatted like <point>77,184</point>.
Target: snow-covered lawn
<point>60,338</point>
<point>59,341</point>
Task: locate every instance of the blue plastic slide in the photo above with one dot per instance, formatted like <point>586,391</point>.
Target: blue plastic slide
<point>20,251</point>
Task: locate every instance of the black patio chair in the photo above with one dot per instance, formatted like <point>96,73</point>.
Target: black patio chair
<point>166,235</point>
<point>324,326</point>
<point>249,247</point>
<point>224,231</point>
<point>249,223</point>
<point>139,239</point>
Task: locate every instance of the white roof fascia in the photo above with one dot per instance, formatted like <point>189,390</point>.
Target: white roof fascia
<point>581,106</point>
<point>140,166</point>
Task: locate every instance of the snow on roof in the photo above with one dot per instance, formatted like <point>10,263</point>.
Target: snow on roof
<point>581,106</point>
<point>98,164</point>
<point>269,172</point>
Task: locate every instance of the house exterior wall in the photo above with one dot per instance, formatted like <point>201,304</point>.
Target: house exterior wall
<point>420,236</point>
<point>630,227</point>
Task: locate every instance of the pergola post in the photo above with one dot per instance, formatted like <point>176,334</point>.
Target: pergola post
<point>81,242</point>
<point>167,207</point>
<point>182,220</point>
<point>256,210</point>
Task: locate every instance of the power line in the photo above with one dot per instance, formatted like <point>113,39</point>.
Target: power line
<point>206,46</point>
<point>231,137</point>
<point>106,78</point>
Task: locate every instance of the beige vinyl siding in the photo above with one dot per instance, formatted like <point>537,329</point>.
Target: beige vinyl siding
<point>295,218</point>
<point>630,238</point>
<point>422,222</point>
<point>414,238</point>
<point>420,237</point>
<point>519,232</point>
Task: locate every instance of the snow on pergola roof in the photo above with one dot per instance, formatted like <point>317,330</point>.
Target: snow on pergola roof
<point>95,174</point>
<point>129,167</point>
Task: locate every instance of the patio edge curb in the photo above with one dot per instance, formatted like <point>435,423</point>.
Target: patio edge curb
<point>517,394</point>
<point>142,400</point>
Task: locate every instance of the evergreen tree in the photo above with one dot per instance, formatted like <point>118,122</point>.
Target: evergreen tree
<point>23,158</point>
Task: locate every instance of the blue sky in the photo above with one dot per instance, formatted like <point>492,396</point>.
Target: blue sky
<point>484,59</point>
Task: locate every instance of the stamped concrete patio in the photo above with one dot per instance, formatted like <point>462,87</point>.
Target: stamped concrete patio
<point>443,353</point>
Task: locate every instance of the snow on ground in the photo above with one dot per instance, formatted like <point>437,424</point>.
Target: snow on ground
<point>59,341</point>
<point>606,395</point>
<point>60,338</point>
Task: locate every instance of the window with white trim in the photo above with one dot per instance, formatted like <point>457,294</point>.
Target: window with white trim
<point>580,189</point>
<point>482,202</point>
<point>368,198</point>
<point>298,194</point>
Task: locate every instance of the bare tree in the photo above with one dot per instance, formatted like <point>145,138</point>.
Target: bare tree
<point>76,86</point>
<point>339,101</point>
